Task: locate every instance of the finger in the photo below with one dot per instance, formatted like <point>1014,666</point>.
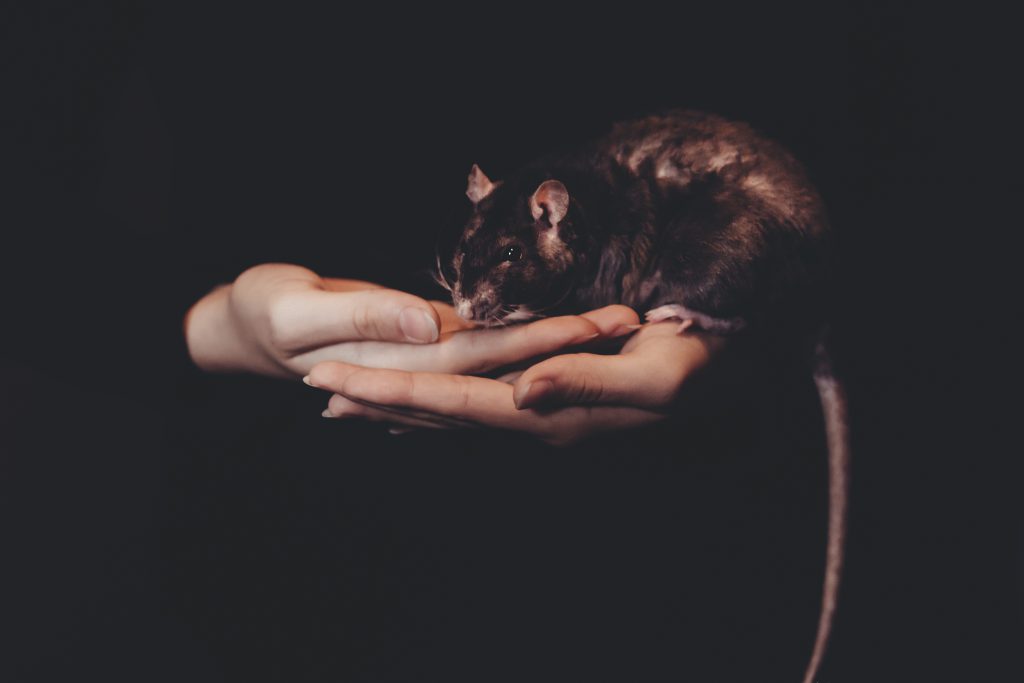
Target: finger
<point>471,351</point>
<point>614,321</point>
<point>341,407</point>
<point>562,427</point>
<point>650,376</point>
<point>432,397</point>
<point>509,377</point>
<point>336,284</point>
<point>450,320</point>
<point>480,350</point>
<point>458,397</point>
<point>315,318</point>
<point>464,352</point>
<point>396,411</point>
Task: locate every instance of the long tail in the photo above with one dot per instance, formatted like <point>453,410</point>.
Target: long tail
<point>833,405</point>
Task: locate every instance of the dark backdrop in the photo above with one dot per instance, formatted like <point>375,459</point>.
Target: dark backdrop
<point>159,524</point>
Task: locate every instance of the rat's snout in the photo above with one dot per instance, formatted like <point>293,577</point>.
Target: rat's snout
<point>478,308</point>
<point>464,309</point>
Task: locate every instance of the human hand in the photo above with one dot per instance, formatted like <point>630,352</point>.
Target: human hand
<point>281,320</point>
<point>560,400</point>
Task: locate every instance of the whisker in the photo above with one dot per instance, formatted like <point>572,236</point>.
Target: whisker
<point>439,277</point>
<point>500,315</point>
<point>440,281</point>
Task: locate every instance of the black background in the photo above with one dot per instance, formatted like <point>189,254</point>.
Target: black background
<point>159,524</point>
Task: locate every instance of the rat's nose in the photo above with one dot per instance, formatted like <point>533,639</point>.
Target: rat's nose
<point>464,309</point>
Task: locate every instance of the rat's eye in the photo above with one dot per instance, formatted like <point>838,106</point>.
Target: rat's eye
<point>513,253</point>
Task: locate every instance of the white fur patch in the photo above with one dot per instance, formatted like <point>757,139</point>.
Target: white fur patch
<point>551,247</point>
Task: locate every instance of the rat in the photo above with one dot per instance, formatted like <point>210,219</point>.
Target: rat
<point>684,215</point>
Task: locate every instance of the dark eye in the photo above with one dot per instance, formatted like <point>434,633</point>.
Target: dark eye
<point>513,253</point>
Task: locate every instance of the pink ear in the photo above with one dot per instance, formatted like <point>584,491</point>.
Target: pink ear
<point>479,185</point>
<point>551,198</point>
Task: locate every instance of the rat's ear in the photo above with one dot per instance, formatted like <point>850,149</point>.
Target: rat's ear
<point>552,199</point>
<point>479,185</point>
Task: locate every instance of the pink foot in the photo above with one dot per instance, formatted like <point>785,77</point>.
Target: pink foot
<point>690,318</point>
<point>668,312</point>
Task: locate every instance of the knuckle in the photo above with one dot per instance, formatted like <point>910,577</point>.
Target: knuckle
<point>463,395</point>
<point>585,387</point>
<point>280,323</point>
<point>478,353</point>
<point>471,358</point>
<point>253,273</point>
<point>363,322</point>
<point>408,390</point>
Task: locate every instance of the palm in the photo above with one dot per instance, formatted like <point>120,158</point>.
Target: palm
<point>581,393</point>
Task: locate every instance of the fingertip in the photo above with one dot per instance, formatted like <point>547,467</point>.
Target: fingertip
<point>623,330</point>
<point>625,311</point>
<point>394,316</point>
<point>518,393</point>
<point>614,320</point>
<point>529,394</point>
<point>315,377</point>
<point>323,374</point>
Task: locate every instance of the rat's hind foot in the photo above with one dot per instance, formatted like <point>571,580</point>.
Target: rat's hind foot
<point>690,318</point>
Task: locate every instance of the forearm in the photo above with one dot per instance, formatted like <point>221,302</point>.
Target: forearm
<point>216,343</point>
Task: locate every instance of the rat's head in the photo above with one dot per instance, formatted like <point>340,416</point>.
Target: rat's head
<point>514,260</point>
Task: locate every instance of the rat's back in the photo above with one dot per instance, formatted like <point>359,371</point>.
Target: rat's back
<point>675,148</point>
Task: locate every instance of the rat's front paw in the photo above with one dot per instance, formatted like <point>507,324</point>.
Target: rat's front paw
<point>689,318</point>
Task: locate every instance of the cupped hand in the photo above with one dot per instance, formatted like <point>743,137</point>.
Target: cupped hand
<point>560,400</point>
<point>281,320</point>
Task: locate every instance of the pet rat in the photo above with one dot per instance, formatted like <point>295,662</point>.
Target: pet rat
<point>684,215</point>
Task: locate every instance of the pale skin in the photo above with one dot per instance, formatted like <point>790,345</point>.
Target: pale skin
<point>391,357</point>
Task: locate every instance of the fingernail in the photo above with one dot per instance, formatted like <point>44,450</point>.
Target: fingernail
<point>585,338</point>
<point>395,431</point>
<point>532,393</point>
<point>417,326</point>
<point>327,413</point>
<point>623,330</point>
<point>305,380</point>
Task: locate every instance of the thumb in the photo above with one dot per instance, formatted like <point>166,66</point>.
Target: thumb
<point>318,318</point>
<point>650,376</point>
<point>576,379</point>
